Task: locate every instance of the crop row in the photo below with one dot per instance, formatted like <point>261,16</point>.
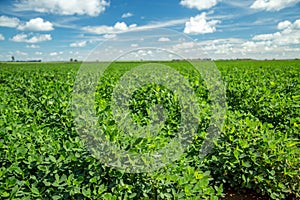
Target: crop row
<point>42,155</point>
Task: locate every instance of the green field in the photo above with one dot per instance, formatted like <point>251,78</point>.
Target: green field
<point>42,156</point>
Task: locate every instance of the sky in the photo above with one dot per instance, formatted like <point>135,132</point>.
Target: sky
<point>59,30</point>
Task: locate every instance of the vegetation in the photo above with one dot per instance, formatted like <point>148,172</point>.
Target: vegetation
<point>42,156</point>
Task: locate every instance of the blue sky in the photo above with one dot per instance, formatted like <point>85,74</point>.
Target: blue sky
<point>220,29</point>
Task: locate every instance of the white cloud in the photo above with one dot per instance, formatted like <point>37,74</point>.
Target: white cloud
<point>142,53</point>
<point>9,21</point>
<point>284,25</point>
<point>162,24</point>
<point>200,25</point>
<point>125,15</point>
<point>134,45</point>
<point>121,27</point>
<point>33,46</point>
<point>296,24</point>
<point>53,54</point>
<point>2,37</point>
<point>21,53</point>
<point>63,7</point>
<point>289,34</point>
<point>40,38</point>
<point>132,25</point>
<point>199,4</point>
<point>32,39</point>
<point>254,48</point>
<point>37,24</point>
<point>232,48</point>
<point>184,45</point>
<point>38,53</point>
<point>164,39</point>
<point>117,28</point>
<point>273,5</point>
<point>20,38</point>
<point>109,36</point>
<point>265,37</point>
<point>78,44</point>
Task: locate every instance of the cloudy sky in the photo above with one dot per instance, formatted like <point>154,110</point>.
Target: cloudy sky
<point>54,30</point>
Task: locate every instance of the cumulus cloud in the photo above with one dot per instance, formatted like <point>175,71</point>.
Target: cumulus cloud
<point>270,36</point>
<point>31,39</point>
<point>33,46</point>
<point>284,25</point>
<point>21,53</point>
<point>11,22</point>
<point>164,39</point>
<point>273,5</point>
<point>78,44</point>
<point>117,28</point>
<point>63,7</point>
<point>2,37</point>
<point>125,15</point>
<point>142,53</point>
<point>295,25</point>
<point>199,4</point>
<point>200,25</point>
<point>53,54</point>
<point>289,34</point>
<point>36,24</point>
<point>18,52</point>
<point>121,26</point>
<point>184,45</point>
<point>134,45</point>
<point>232,48</point>
<point>20,38</point>
<point>109,36</point>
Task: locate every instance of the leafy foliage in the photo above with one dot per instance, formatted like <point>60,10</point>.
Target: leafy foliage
<point>260,145</point>
<point>42,156</point>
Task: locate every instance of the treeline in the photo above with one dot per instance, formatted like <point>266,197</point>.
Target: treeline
<point>26,61</point>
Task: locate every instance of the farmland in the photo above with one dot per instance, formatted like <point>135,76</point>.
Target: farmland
<point>42,156</point>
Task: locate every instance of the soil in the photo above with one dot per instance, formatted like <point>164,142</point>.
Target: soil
<point>232,195</point>
<point>250,195</point>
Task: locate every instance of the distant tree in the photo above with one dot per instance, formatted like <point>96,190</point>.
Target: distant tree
<point>75,60</point>
<point>71,59</point>
<point>12,58</point>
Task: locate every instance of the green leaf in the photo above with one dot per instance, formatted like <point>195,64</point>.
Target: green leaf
<point>5,194</point>
<point>34,190</point>
<point>52,158</point>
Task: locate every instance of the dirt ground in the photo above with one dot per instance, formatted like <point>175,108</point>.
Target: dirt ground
<point>250,195</point>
